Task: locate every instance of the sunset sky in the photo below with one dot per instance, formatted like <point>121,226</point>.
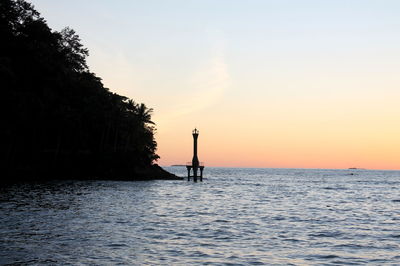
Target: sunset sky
<point>299,84</point>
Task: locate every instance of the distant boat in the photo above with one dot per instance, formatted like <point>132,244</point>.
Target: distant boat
<point>355,168</point>
<point>178,165</point>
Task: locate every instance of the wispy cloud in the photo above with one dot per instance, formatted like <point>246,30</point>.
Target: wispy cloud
<point>207,86</point>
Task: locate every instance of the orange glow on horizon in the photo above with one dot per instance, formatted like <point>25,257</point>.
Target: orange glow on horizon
<point>300,141</point>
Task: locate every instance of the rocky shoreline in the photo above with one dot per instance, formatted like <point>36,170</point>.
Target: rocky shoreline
<point>154,172</point>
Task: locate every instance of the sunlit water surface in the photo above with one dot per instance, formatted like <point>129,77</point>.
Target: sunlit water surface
<point>236,216</point>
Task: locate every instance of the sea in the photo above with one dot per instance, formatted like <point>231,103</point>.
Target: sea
<point>236,216</point>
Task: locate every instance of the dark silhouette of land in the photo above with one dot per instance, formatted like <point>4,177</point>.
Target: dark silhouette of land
<point>59,120</point>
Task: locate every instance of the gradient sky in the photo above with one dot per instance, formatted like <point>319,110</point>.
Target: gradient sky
<point>302,84</point>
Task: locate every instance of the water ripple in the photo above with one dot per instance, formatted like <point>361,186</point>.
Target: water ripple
<point>235,217</point>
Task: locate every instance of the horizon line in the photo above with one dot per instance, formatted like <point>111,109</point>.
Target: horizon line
<point>305,168</point>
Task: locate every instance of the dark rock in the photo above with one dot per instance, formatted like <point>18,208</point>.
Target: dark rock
<point>154,172</point>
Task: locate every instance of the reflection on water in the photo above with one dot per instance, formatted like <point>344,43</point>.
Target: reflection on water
<point>239,216</point>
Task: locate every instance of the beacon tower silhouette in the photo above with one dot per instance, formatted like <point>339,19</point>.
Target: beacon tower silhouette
<point>195,164</point>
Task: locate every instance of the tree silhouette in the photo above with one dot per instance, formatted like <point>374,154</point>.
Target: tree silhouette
<point>60,120</point>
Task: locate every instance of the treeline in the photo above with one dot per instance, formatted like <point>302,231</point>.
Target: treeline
<point>59,119</point>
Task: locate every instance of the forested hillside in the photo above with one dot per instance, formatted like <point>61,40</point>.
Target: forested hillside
<point>59,119</point>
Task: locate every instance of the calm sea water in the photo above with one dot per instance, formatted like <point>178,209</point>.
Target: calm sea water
<point>236,216</point>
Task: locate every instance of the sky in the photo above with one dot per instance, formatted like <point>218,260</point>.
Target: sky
<point>269,83</point>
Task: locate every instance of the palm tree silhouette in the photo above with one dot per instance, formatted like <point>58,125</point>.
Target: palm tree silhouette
<point>144,114</point>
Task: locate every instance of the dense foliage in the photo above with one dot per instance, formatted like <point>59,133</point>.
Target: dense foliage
<point>59,119</point>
